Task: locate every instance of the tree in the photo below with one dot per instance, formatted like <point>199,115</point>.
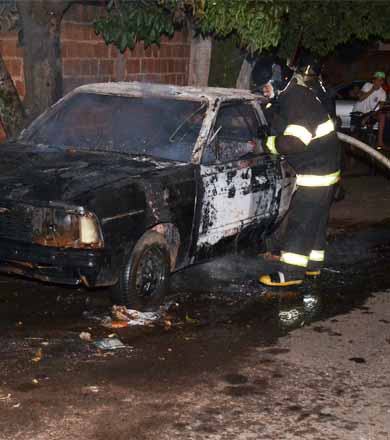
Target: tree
<point>12,112</point>
<point>319,25</point>
<point>255,22</point>
<point>255,25</point>
<point>128,22</point>
<point>252,23</point>
<point>38,23</point>
<point>325,25</point>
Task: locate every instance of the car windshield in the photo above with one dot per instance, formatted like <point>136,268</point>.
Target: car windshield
<point>164,128</point>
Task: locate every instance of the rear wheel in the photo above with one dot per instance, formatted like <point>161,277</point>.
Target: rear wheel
<point>143,280</point>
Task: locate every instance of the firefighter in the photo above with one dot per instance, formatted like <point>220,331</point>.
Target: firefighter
<point>303,132</point>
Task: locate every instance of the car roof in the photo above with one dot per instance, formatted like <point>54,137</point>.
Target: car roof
<point>166,91</point>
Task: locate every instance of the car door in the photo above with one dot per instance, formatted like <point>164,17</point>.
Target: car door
<point>237,184</point>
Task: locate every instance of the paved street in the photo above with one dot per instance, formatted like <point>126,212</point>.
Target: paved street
<point>228,361</point>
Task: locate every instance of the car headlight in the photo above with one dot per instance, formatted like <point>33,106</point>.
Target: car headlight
<point>58,228</point>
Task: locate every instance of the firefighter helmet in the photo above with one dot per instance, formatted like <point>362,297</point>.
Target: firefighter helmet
<point>308,65</point>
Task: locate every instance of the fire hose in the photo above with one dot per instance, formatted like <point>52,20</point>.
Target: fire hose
<point>382,159</point>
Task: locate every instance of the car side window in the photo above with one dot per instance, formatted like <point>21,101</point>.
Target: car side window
<point>235,134</point>
<point>349,92</point>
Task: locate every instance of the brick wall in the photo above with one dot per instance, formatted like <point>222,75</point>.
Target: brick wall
<point>86,58</point>
<point>13,58</point>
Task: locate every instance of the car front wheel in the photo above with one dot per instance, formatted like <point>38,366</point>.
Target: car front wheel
<point>143,280</point>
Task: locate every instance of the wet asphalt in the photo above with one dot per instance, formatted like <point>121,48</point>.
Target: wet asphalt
<point>218,366</point>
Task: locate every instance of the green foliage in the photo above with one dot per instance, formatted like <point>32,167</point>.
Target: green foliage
<point>323,25</point>
<point>257,25</point>
<point>129,22</point>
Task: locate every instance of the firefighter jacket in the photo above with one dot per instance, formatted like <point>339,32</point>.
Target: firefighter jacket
<point>302,130</point>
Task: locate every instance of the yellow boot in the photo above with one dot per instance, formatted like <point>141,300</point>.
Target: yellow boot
<point>313,273</point>
<point>280,279</point>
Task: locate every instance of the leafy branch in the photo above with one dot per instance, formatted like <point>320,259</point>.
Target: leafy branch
<point>258,25</point>
<point>128,22</point>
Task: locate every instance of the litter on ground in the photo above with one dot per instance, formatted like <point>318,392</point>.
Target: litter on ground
<point>109,344</point>
<point>122,317</point>
<point>85,336</point>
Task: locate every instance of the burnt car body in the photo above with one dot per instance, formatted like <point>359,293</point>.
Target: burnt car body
<point>119,175</point>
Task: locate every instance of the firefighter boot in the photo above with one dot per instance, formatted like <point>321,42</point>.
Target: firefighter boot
<point>282,279</point>
<point>316,260</point>
<point>313,270</point>
<point>313,273</point>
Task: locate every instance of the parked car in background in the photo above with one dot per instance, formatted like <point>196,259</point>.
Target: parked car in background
<point>120,184</point>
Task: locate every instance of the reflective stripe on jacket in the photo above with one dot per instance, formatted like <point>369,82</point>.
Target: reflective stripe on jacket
<point>302,133</point>
<point>309,180</point>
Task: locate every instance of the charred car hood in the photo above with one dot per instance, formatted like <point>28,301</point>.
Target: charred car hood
<point>41,174</point>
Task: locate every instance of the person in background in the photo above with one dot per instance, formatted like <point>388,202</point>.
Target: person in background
<point>386,85</point>
<point>383,116</point>
<point>371,94</point>
<point>369,102</point>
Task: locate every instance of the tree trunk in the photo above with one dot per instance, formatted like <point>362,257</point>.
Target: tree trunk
<point>244,77</point>
<point>41,20</point>
<point>12,113</point>
<point>120,67</point>
<point>200,59</point>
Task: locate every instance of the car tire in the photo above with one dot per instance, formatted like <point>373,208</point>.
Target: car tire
<point>144,277</point>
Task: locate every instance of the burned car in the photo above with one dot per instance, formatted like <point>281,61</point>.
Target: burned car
<point>120,184</point>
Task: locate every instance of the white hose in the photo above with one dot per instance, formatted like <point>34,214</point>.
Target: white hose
<point>366,148</point>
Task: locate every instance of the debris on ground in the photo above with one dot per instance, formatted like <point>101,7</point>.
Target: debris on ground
<point>118,324</point>
<point>110,344</point>
<point>85,336</point>
<point>38,356</point>
<point>91,389</point>
<point>123,317</point>
<point>167,324</point>
<point>134,317</point>
<point>4,397</point>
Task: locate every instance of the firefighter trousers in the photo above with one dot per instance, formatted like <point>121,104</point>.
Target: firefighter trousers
<point>303,245</point>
